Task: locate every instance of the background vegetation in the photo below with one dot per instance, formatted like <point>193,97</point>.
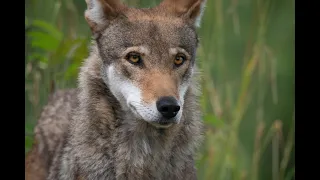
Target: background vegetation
<point>247,59</point>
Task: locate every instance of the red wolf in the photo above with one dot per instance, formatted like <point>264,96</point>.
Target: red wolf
<point>134,114</point>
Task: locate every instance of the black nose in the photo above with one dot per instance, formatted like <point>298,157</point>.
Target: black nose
<point>168,106</point>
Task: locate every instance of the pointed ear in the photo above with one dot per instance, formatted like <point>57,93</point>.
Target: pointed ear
<point>100,12</point>
<point>192,10</point>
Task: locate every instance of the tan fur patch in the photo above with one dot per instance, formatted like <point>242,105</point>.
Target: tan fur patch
<point>158,84</point>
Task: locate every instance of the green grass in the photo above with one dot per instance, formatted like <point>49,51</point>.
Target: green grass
<point>246,56</point>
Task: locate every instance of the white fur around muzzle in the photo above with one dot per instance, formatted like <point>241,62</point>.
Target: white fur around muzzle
<point>129,96</point>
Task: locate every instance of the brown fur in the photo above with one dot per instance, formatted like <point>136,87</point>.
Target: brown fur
<point>90,134</point>
<point>153,88</point>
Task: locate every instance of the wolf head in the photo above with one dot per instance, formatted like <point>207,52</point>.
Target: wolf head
<point>148,54</point>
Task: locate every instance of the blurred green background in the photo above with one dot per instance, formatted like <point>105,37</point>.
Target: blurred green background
<point>246,55</point>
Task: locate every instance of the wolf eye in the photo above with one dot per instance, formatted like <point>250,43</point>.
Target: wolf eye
<point>133,58</point>
<point>179,59</point>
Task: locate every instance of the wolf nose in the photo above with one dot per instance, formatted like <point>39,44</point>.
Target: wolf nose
<point>168,106</point>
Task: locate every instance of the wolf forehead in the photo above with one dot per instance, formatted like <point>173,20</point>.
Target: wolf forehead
<point>158,31</point>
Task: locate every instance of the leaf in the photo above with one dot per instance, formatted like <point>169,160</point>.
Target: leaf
<point>47,37</point>
<point>64,51</point>
<point>50,29</point>
<point>43,41</point>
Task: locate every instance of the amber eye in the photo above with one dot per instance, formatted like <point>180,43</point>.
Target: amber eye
<point>134,58</point>
<point>179,59</point>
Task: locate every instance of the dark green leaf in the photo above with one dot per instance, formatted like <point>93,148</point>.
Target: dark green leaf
<point>50,29</point>
<point>43,41</point>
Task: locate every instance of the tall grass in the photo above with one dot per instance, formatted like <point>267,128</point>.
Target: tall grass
<point>246,55</point>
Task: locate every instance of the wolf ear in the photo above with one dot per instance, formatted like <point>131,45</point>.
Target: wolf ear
<point>100,12</point>
<point>192,10</point>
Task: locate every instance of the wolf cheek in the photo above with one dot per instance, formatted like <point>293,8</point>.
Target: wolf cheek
<point>129,95</point>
